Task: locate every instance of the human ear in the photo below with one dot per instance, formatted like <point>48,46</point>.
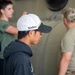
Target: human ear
<point>65,21</point>
<point>31,32</point>
<point>2,11</point>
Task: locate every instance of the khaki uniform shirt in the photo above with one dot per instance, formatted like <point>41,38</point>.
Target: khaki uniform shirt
<point>68,45</point>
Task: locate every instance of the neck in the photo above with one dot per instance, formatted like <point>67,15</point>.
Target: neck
<point>70,26</point>
<point>25,40</point>
<point>4,18</point>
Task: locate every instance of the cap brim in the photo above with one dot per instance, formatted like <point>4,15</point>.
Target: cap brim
<point>44,28</point>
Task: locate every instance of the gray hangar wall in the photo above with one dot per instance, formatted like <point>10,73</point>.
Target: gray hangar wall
<point>46,54</point>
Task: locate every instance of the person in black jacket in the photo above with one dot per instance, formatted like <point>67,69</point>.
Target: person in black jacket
<point>17,54</point>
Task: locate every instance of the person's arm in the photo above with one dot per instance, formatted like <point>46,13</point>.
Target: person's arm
<point>65,60</point>
<point>12,30</point>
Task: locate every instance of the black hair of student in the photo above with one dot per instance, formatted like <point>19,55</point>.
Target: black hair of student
<point>4,3</point>
<point>22,34</point>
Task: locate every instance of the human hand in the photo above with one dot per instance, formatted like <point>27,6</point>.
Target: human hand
<point>25,13</point>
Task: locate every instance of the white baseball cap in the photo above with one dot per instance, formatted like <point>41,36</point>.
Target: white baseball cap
<point>70,14</point>
<point>32,22</point>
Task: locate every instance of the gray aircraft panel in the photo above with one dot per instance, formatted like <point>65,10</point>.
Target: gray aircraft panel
<point>46,54</point>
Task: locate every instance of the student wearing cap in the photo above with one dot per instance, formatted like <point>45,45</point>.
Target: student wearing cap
<point>17,54</point>
<point>67,62</point>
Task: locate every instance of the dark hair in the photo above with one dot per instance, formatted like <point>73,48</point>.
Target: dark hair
<point>3,4</point>
<point>22,34</point>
